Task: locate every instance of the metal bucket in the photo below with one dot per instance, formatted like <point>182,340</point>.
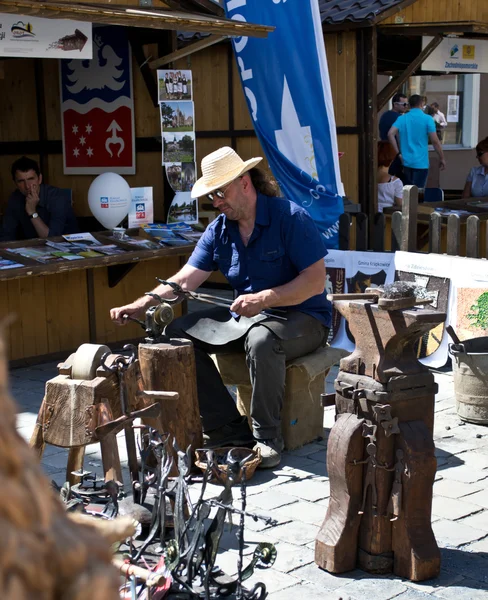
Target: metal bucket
<point>470,369</point>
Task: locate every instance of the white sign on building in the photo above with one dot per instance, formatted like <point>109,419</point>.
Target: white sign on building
<point>457,55</point>
<point>23,36</point>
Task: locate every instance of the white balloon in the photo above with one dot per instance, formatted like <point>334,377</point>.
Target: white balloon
<point>109,199</point>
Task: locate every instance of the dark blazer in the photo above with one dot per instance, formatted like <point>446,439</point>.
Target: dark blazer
<point>54,208</point>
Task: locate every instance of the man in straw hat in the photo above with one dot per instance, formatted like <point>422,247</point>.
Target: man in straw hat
<point>271,252</point>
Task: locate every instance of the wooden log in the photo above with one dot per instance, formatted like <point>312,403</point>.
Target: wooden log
<point>435,233</point>
<point>396,231</point>
<point>172,367</point>
<point>75,463</point>
<point>416,554</point>
<point>473,237</point>
<point>453,235</point>
<point>336,542</point>
<point>409,218</point>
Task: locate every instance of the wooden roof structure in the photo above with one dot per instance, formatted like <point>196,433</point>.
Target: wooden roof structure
<point>133,15</point>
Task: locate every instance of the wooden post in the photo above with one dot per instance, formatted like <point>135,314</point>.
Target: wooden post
<point>435,233</point>
<point>409,218</point>
<point>172,367</point>
<point>453,235</point>
<point>473,237</point>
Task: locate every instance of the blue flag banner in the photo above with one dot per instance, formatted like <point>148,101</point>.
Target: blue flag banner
<point>286,82</point>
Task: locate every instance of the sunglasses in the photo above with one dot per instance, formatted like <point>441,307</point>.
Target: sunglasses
<point>404,104</point>
<point>220,193</point>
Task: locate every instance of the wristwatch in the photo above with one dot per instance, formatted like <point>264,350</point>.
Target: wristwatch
<point>34,215</point>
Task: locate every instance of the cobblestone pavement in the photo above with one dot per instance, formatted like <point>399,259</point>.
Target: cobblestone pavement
<point>296,495</point>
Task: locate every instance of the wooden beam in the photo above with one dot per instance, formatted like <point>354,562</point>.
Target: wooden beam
<point>396,83</point>
<point>190,49</point>
<point>456,27</point>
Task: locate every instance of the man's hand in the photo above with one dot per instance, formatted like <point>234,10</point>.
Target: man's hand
<point>442,164</point>
<point>32,200</point>
<point>248,305</point>
<point>119,313</point>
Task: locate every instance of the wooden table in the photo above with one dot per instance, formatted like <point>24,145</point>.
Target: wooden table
<point>56,307</point>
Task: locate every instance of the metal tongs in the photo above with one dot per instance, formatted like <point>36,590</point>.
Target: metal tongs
<point>182,294</point>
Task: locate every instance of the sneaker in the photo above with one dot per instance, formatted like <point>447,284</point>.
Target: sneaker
<point>270,452</point>
<point>235,433</point>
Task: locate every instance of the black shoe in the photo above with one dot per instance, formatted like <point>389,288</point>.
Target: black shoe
<point>235,433</point>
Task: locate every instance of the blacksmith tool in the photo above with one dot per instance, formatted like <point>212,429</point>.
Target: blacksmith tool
<point>182,294</point>
<point>119,366</point>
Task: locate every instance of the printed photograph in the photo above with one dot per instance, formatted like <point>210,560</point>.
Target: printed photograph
<point>178,147</point>
<point>471,312</point>
<point>176,116</point>
<point>174,85</point>
<point>335,284</point>
<point>188,176</point>
<point>183,208</point>
<point>173,173</point>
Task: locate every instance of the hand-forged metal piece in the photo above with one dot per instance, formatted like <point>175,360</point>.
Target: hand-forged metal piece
<point>382,412</point>
<point>369,431</point>
<point>391,427</point>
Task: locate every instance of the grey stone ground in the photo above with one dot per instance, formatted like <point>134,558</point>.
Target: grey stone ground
<point>296,495</point>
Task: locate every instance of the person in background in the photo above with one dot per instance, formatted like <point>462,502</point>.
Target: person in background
<point>431,112</point>
<point>415,130</point>
<point>390,188</point>
<point>439,118</point>
<point>477,181</point>
<point>399,105</point>
<point>36,210</point>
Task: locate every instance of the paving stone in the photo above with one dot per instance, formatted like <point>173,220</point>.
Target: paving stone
<point>305,591</point>
<point>445,488</point>
<point>295,533</point>
<point>325,580</point>
<point>307,449</point>
<point>256,486</point>
<point>307,489</point>
<point>480,498</point>
<point>453,533</point>
<point>306,512</point>
<point>298,462</point>
<point>412,594</point>
<point>478,521</point>
<point>466,474</point>
<point>465,563</point>
<point>464,592</point>
<point>474,459</point>
<point>450,508</point>
<point>454,445</point>
<point>275,581</point>
<point>271,499</point>
<point>378,589</point>
<point>480,546</point>
<point>431,585</point>
<point>290,557</point>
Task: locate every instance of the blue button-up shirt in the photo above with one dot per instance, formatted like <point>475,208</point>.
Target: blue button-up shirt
<point>479,181</point>
<point>285,241</point>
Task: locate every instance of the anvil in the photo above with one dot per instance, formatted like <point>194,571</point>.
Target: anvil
<point>384,337</point>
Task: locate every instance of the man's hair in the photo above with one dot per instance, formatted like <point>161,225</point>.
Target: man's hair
<point>263,182</point>
<point>482,145</point>
<point>386,154</point>
<point>435,105</point>
<point>398,97</point>
<point>429,110</point>
<point>415,101</point>
<point>24,164</point>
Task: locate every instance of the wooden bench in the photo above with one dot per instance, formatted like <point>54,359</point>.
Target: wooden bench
<point>302,414</point>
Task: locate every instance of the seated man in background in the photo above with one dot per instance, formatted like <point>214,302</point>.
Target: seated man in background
<point>272,254</point>
<point>36,210</point>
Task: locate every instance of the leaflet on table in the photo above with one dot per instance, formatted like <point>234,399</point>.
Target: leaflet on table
<point>72,251</point>
<point>41,254</point>
<point>141,243</point>
<point>5,263</point>
<point>141,207</point>
<point>171,234</point>
<point>86,239</point>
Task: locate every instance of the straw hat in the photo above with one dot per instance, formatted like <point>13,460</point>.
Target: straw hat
<point>220,168</point>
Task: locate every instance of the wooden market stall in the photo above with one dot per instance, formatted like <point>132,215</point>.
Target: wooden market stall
<point>56,308</point>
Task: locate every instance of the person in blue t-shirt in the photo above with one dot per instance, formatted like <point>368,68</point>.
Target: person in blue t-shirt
<point>272,254</point>
<point>415,130</point>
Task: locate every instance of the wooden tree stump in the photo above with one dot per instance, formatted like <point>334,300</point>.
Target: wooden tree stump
<point>172,367</point>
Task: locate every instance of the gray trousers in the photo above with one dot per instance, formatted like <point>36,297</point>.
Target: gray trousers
<point>266,355</point>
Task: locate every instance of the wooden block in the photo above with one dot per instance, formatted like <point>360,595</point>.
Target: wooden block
<point>336,542</point>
